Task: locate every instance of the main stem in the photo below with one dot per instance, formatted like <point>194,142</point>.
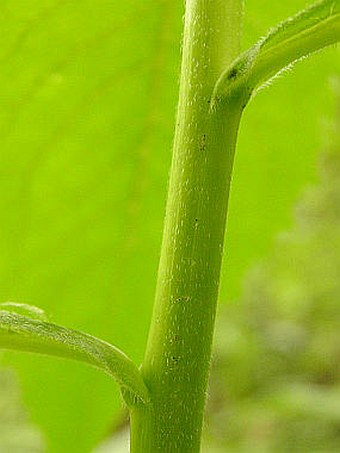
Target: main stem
<point>176,364</point>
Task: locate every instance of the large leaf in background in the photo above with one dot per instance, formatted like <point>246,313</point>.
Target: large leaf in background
<point>88,93</point>
<point>87,101</point>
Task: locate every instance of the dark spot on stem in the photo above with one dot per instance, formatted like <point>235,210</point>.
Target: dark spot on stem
<point>175,339</point>
<point>182,299</point>
<point>202,142</point>
<point>232,74</point>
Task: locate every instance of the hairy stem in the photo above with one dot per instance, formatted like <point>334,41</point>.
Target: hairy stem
<point>177,359</point>
<point>21,333</point>
<point>311,30</point>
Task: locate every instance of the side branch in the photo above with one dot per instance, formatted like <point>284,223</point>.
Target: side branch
<point>298,37</point>
<point>31,335</point>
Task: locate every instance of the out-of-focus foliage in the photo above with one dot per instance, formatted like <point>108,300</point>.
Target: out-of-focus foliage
<point>88,92</point>
<point>275,385</point>
<point>17,434</point>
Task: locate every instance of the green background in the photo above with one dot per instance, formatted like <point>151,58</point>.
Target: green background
<point>88,94</point>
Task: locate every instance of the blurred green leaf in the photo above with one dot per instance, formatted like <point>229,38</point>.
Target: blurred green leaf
<point>87,102</point>
<point>275,382</point>
<point>88,94</point>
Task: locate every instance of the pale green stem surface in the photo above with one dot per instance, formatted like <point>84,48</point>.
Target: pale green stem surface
<point>177,359</point>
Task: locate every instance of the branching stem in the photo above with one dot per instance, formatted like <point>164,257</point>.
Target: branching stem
<point>298,37</point>
<point>32,335</point>
<point>178,354</point>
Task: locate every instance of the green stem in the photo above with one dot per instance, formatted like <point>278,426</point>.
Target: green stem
<point>141,429</point>
<point>176,364</point>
